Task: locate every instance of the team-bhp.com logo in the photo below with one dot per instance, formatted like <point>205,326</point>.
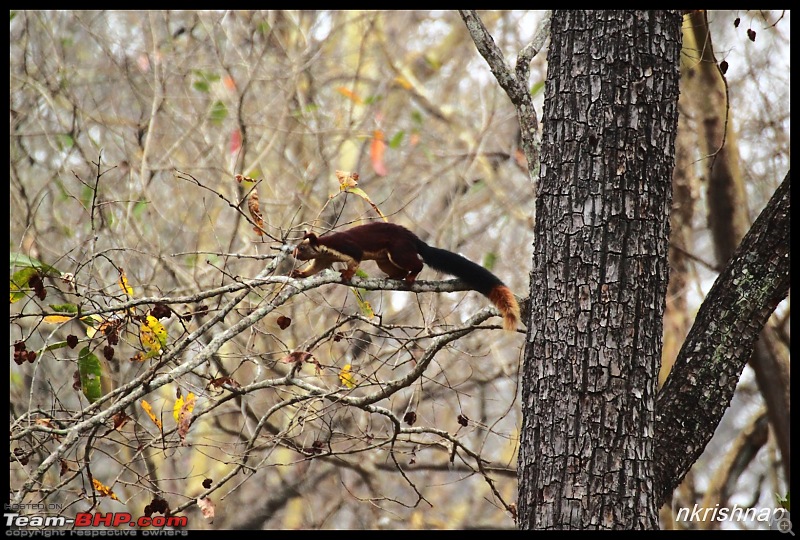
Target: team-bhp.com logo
<point>87,519</point>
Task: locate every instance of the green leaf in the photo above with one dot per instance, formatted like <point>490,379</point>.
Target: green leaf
<point>432,62</point>
<point>64,140</point>
<point>139,208</point>
<point>29,268</point>
<point>64,308</point>
<point>218,112</point>
<point>56,345</point>
<point>205,75</point>
<point>22,277</point>
<point>537,88</point>
<point>397,139</point>
<point>90,371</point>
<point>23,261</point>
<point>203,79</point>
<point>416,116</point>
<point>479,184</point>
<point>489,260</point>
<point>19,281</point>
<point>64,313</point>
<point>87,194</point>
<point>201,86</point>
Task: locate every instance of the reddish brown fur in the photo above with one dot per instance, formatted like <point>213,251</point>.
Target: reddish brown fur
<point>397,252</point>
<point>506,303</point>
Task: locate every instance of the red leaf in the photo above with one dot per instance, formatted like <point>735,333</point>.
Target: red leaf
<point>376,151</point>
<point>236,141</point>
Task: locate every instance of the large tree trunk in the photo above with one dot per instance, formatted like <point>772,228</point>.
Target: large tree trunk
<point>599,271</point>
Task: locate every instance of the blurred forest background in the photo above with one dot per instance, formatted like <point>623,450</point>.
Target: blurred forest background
<point>127,130</point>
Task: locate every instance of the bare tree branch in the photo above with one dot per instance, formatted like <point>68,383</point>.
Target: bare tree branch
<point>515,86</point>
<point>700,387</point>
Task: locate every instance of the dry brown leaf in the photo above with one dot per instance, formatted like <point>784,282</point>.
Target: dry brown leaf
<point>218,382</point>
<point>296,357</point>
<point>255,212</point>
<point>347,179</point>
<point>206,507</point>
<point>183,415</point>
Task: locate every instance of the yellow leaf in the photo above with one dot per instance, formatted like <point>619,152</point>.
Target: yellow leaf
<point>182,411</point>
<point>349,94</point>
<point>103,490</point>
<point>402,81</point>
<point>158,329</point>
<point>347,377</point>
<point>361,193</point>
<point>56,319</point>
<point>16,293</point>
<point>176,409</point>
<point>91,329</point>
<point>123,283</point>
<point>183,406</point>
<point>148,338</point>
<point>364,305</point>
<point>152,335</point>
<point>149,410</point>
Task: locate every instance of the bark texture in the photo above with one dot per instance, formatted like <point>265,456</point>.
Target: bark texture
<point>703,379</point>
<point>726,197</point>
<point>599,272</point>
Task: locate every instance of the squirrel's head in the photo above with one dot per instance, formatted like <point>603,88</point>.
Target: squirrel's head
<point>307,249</point>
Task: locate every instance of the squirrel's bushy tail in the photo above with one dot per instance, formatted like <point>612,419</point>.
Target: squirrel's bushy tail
<point>477,277</point>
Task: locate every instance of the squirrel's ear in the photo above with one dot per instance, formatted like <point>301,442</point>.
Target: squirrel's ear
<point>311,237</point>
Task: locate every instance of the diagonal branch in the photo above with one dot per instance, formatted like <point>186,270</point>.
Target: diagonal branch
<point>703,380</point>
<point>529,51</point>
<point>515,86</point>
<point>485,44</point>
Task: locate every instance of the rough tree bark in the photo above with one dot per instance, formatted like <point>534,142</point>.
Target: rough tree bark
<point>726,198</point>
<point>703,379</point>
<point>599,271</point>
